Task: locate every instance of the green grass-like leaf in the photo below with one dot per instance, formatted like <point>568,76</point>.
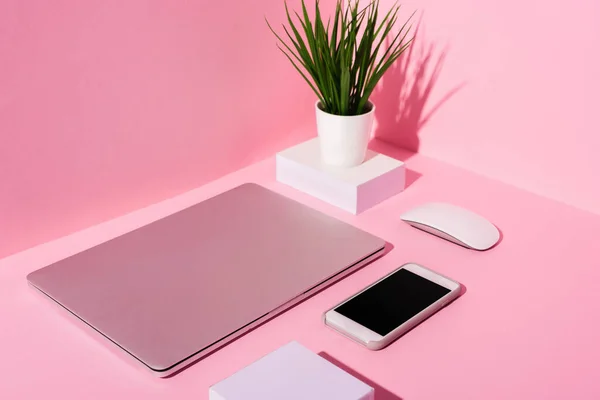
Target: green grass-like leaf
<point>341,62</point>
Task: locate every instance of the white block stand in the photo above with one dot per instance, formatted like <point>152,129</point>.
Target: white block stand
<point>291,372</point>
<point>353,189</point>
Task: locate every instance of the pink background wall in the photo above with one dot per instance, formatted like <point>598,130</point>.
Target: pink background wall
<point>108,106</point>
<point>517,88</point>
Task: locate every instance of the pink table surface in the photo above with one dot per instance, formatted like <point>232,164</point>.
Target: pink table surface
<point>527,327</point>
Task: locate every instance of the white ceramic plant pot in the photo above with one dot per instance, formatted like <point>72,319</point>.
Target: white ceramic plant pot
<point>344,138</point>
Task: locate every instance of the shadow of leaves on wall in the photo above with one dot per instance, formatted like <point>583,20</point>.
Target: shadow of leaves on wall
<point>403,94</point>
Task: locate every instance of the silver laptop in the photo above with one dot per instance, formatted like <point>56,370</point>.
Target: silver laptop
<point>175,290</point>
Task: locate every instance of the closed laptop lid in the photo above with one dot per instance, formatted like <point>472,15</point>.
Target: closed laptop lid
<point>171,288</point>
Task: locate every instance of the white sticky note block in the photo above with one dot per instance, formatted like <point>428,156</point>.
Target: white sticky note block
<point>291,372</point>
<point>353,189</point>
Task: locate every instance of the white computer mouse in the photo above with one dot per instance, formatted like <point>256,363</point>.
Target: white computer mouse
<point>455,224</point>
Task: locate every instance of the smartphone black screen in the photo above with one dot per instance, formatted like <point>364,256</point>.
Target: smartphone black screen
<point>393,301</point>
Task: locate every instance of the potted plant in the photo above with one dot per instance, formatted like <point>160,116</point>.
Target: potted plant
<point>342,63</point>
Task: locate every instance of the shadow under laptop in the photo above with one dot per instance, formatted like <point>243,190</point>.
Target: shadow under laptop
<point>387,248</point>
<point>381,393</point>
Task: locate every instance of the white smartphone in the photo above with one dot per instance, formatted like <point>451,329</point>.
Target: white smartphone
<point>393,305</point>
